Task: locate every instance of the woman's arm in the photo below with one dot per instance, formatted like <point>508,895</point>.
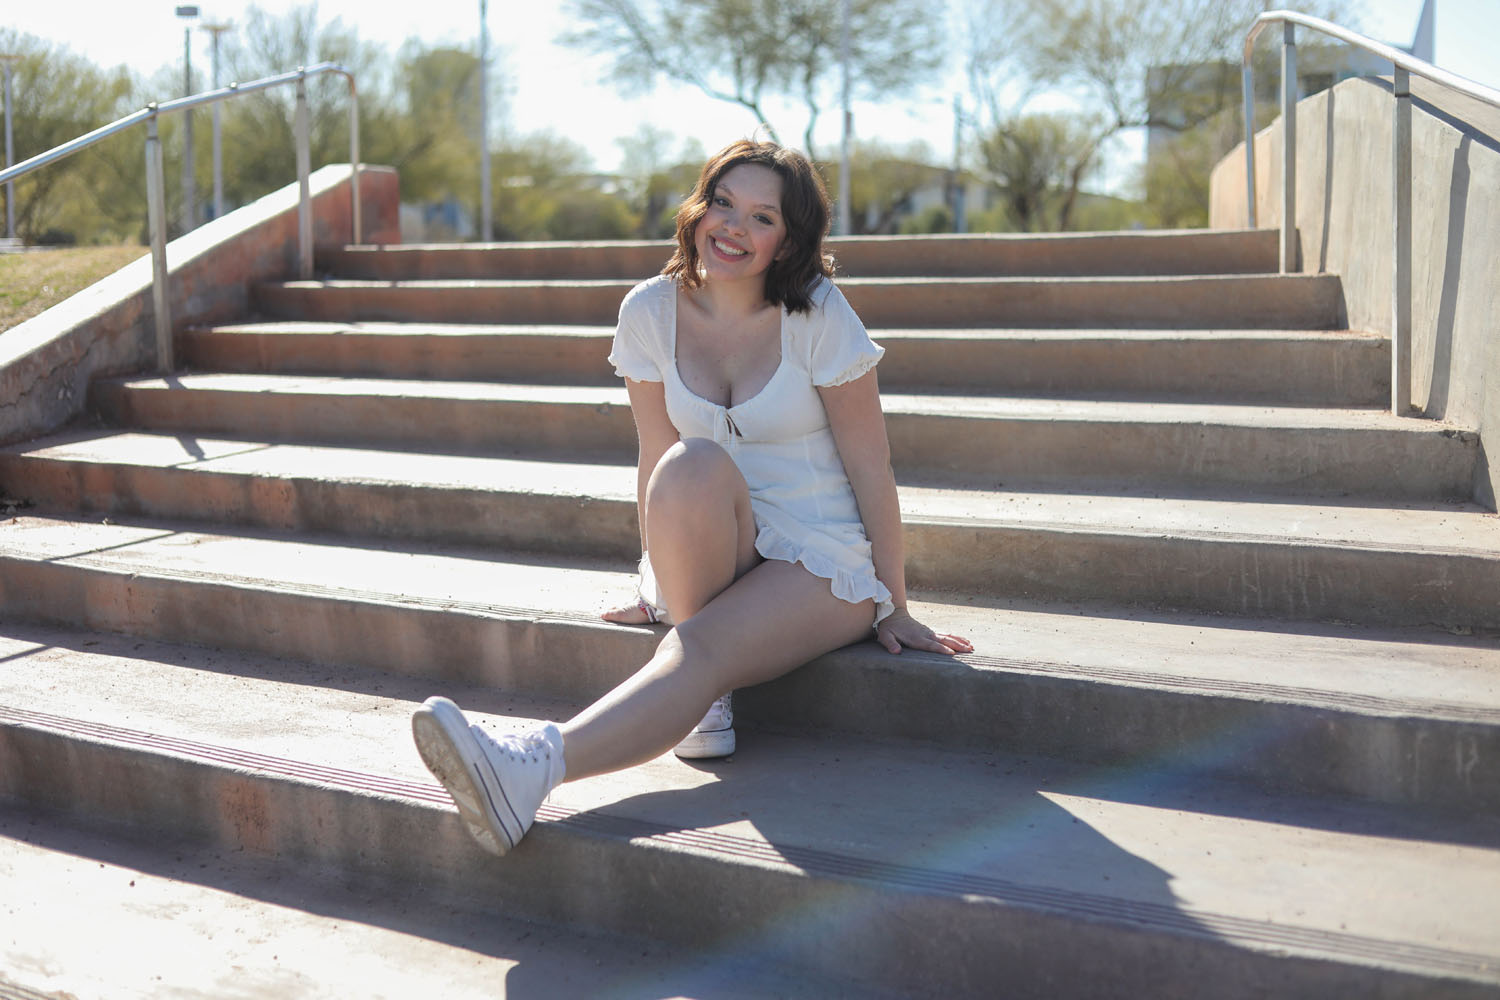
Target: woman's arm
<point>655,434</point>
<point>858,426</point>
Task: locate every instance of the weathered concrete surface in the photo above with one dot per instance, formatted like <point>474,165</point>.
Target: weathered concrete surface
<point>1116,253</point>
<point>47,362</point>
<point>186,920</point>
<point>1039,874</point>
<point>1344,227</point>
<point>1289,367</point>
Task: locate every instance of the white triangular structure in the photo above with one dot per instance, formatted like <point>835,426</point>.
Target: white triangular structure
<point>1422,43</point>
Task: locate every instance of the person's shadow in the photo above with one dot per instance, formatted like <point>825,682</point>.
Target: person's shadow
<point>881,855</point>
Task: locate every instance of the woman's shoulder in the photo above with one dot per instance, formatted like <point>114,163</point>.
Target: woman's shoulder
<point>653,289</point>
<point>827,308</point>
<point>650,301</point>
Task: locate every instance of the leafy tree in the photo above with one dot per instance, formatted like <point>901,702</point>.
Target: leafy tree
<point>1168,65</point>
<point>655,180</point>
<point>435,143</point>
<point>743,51</point>
<point>545,190</point>
<point>58,96</point>
<point>1038,162</point>
<point>260,127</point>
<point>885,180</point>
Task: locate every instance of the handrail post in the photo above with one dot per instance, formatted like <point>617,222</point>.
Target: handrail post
<point>356,224</point>
<point>1288,147</point>
<point>304,186</point>
<point>1401,229</point>
<point>156,216</point>
<point>1247,88</point>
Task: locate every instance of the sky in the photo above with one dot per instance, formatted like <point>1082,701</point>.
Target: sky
<point>552,87</point>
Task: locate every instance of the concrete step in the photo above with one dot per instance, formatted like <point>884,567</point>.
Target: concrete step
<point>1296,367</point>
<point>948,439</point>
<point>1413,564</point>
<point>1115,253</point>
<point>1394,715</point>
<point>1045,876</point>
<point>1264,301</point>
<point>105,912</point>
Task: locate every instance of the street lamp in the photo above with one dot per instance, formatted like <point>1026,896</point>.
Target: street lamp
<point>846,186</point>
<point>188,12</point>
<point>216,29</point>
<point>8,60</point>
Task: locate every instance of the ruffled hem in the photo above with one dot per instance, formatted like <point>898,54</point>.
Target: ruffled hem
<point>860,366</point>
<point>846,586</point>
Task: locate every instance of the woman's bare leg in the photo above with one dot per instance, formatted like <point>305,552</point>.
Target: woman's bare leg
<point>699,528</point>
<point>771,620</point>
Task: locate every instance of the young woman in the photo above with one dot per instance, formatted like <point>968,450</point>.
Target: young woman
<point>767,506</point>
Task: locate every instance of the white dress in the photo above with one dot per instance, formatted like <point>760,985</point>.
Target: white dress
<point>804,507</point>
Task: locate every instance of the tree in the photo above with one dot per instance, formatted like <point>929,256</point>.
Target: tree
<point>545,190</point>
<point>1133,58</point>
<point>655,180</point>
<point>58,96</point>
<point>1038,163</point>
<point>884,182</point>
<point>1166,65</point>
<point>260,127</point>
<point>743,51</point>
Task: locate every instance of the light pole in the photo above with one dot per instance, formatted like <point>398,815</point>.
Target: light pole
<point>215,30</point>
<point>486,216</point>
<point>846,187</point>
<point>188,12</point>
<point>10,153</point>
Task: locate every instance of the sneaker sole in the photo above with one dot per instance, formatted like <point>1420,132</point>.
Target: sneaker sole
<point>698,746</point>
<point>450,752</point>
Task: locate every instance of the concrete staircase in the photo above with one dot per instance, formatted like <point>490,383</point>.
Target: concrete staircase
<point>1232,727</point>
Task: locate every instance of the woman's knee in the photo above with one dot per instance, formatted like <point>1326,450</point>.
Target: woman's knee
<point>693,468</point>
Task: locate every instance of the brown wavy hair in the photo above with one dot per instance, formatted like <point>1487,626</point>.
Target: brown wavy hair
<point>804,208</point>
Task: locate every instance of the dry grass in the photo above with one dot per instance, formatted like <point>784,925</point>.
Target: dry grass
<point>33,282</point>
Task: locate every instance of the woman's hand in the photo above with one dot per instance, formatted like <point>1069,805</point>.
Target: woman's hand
<point>900,629</point>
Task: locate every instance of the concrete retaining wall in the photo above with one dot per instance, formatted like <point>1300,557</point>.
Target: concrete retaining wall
<point>1344,227</point>
<point>46,363</point>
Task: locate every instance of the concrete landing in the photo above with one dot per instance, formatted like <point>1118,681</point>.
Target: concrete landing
<point>1010,852</point>
<point>186,920</point>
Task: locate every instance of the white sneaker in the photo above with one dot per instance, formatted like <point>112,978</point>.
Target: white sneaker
<point>713,737</point>
<point>497,784</point>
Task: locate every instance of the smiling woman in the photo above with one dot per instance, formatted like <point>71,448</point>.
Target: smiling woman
<point>767,506</point>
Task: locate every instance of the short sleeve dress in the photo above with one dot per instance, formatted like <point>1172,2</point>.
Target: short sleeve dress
<point>805,510</point>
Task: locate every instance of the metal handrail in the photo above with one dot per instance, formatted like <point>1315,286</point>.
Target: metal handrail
<point>1405,64</point>
<point>156,182</point>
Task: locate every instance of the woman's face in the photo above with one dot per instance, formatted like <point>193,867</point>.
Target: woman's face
<point>743,230</point>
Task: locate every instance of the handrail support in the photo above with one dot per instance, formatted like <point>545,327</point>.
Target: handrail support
<point>304,186</point>
<point>1247,88</point>
<point>1405,64</point>
<point>1401,278</point>
<point>156,215</point>
<point>1289,90</point>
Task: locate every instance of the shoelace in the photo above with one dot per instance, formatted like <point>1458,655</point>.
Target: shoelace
<point>528,745</point>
